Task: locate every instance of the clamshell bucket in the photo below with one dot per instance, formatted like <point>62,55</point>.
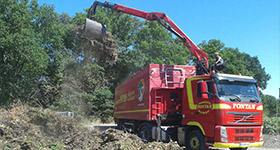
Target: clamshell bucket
<point>94,30</point>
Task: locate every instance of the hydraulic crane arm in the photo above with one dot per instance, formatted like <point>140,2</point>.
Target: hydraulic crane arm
<point>165,21</point>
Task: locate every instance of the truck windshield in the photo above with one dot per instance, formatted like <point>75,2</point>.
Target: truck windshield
<point>237,91</point>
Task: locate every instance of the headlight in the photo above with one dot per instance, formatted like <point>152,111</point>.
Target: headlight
<point>260,107</point>
<point>224,132</point>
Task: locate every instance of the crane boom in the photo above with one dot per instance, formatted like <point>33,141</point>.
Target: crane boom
<point>165,21</point>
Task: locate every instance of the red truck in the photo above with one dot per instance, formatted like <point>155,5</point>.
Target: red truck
<point>194,106</point>
<point>198,111</point>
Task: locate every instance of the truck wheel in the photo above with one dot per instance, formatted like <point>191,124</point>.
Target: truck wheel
<point>145,133</point>
<point>239,148</point>
<point>195,141</point>
<point>120,124</point>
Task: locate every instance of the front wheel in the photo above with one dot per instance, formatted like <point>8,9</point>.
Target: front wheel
<point>195,141</point>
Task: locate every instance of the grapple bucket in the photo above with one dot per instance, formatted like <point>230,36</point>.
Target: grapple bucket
<point>94,30</point>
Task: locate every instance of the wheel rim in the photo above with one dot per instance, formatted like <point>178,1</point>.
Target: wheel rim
<point>194,142</point>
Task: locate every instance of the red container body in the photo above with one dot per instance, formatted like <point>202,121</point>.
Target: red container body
<point>149,92</point>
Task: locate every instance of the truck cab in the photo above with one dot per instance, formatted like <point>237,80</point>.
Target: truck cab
<point>225,111</point>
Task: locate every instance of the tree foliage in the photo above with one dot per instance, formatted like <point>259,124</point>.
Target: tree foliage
<point>237,62</point>
<point>31,46</point>
<point>41,61</point>
<point>159,47</point>
<point>270,104</point>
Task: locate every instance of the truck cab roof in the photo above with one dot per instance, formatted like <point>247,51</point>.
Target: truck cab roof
<point>231,77</point>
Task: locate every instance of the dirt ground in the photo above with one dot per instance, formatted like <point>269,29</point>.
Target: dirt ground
<point>28,128</point>
<point>270,142</point>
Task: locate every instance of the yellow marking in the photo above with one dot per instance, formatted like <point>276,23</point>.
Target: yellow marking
<point>194,123</point>
<point>203,112</point>
<point>131,98</point>
<point>204,107</point>
<point>194,143</point>
<point>132,111</point>
<point>117,102</point>
<point>126,97</point>
<point>131,93</point>
<point>122,99</point>
<point>235,145</point>
<point>189,91</point>
<point>221,106</point>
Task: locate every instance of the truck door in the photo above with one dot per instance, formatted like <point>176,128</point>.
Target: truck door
<point>203,113</point>
<point>204,105</point>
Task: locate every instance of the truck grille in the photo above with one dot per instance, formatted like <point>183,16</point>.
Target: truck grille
<point>243,118</point>
<point>244,138</point>
<point>241,131</point>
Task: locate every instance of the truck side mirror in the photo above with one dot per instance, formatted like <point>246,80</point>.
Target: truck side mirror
<point>203,89</point>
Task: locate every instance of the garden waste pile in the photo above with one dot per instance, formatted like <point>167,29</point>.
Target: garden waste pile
<point>25,127</point>
<point>103,49</point>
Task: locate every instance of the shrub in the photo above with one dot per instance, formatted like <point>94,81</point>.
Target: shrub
<point>270,125</point>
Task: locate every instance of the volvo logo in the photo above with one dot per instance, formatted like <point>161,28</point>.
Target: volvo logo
<point>244,118</point>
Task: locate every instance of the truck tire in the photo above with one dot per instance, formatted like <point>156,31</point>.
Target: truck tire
<point>239,148</point>
<point>195,141</point>
<point>119,124</point>
<point>145,132</point>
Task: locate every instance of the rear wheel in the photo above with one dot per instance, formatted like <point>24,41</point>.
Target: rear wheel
<point>120,124</point>
<point>195,141</point>
<point>145,133</point>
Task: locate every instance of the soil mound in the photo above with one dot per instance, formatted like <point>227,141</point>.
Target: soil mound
<point>28,128</point>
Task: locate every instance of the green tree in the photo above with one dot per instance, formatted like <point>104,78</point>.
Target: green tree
<point>86,83</point>
<point>153,44</point>
<point>123,28</point>
<point>84,87</point>
<point>237,62</point>
<point>31,45</point>
<point>159,46</point>
<point>269,104</point>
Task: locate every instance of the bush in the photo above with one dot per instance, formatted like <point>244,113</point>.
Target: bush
<point>101,105</point>
<point>270,125</point>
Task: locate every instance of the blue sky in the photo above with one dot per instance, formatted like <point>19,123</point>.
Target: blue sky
<point>252,26</point>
